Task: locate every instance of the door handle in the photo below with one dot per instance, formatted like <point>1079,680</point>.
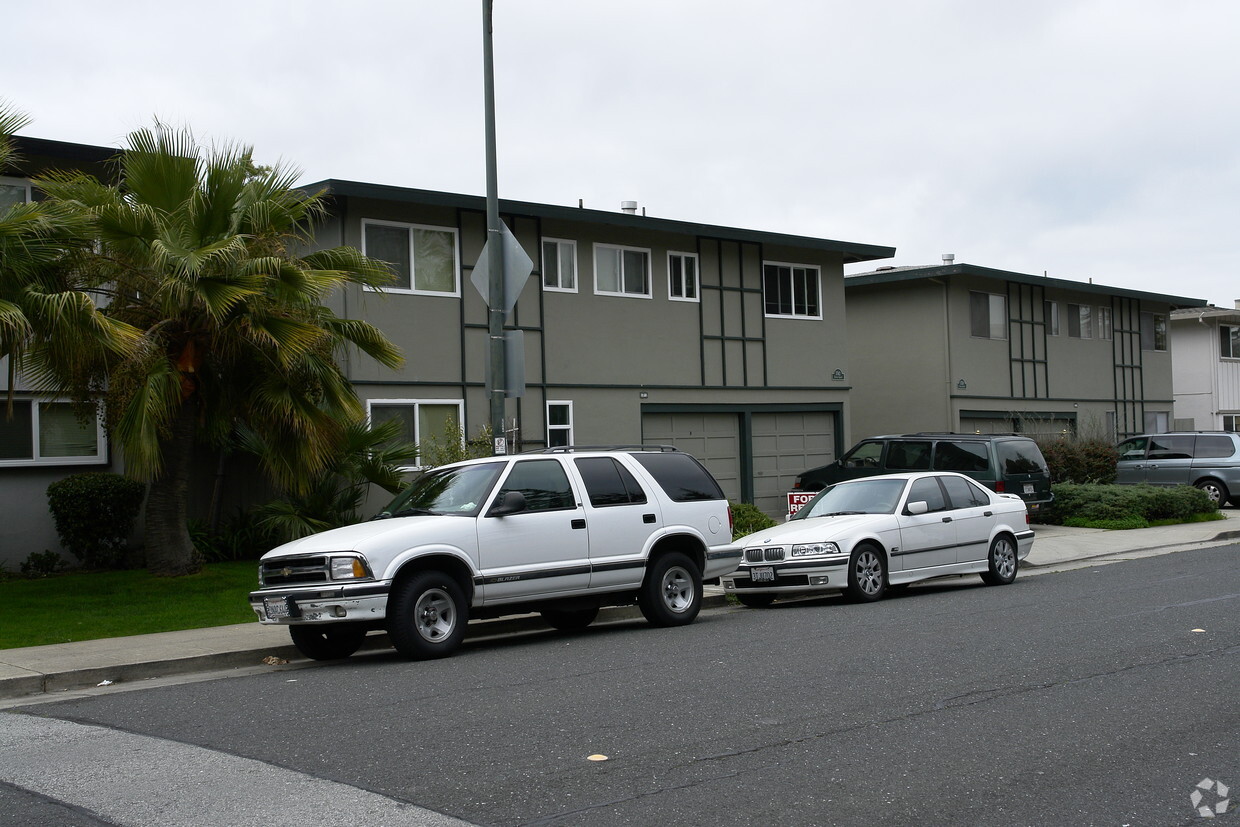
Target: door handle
<point>578,523</point>
<point>947,519</point>
<point>988,513</point>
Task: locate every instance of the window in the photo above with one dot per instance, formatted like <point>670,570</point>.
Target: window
<point>1080,321</point>
<point>1229,341</point>
<point>543,483</point>
<point>865,455</point>
<point>559,267</point>
<point>988,317</point>
<point>791,290</point>
<point>1231,422</point>
<point>423,258</point>
<point>1153,331</point>
<point>927,490</point>
<point>1171,447</point>
<point>609,483</point>
<point>908,456</point>
<point>1214,447</point>
<point>964,494</point>
<point>1051,313</point>
<point>1104,323</point>
<point>48,433</point>
<point>961,456</point>
<point>1156,422</point>
<point>621,271</point>
<point>13,191</point>
<point>682,277</point>
<point>559,424</point>
<point>423,422</point>
<point>681,477</point>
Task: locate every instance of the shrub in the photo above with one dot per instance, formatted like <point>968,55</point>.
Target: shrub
<point>42,564</point>
<point>94,515</point>
<point>242,537</point>
<point>1123,506</point>
<point>746,519</point>
<point>1081,461</point>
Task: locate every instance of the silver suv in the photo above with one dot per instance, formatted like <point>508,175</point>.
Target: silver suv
<point>1209,460</point>
<point>562,532</point>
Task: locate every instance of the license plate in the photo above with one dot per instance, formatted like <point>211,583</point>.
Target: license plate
<point>276,607</point>
<point>1028,488</point>
<point>766,574</point>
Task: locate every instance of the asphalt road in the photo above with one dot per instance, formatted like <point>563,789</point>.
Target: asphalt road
<point>1098,696</point>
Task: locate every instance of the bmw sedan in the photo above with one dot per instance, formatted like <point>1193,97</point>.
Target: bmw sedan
<point>866,535</point>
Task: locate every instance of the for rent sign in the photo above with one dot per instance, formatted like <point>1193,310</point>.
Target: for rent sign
<point>796,499</point>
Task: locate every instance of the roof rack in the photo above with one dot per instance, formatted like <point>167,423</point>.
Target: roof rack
<point>568,449</point>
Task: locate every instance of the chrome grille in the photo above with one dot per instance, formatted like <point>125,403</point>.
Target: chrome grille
<point>764,555</point>
<point>295,571</point>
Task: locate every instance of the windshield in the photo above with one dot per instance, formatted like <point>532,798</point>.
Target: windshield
<point>871,496</point>
<point>458,491</point>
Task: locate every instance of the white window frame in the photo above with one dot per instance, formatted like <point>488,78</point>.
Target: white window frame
<point>568,403</point>
<point>1001,326</point>
<point>560,243</point>
<point>621,249</point>
<point>413,278</point>
<point>1223,354</point>
<point>697,277</point>
<point>1153,329</point>
<point>24,183</point>
<point>416,404</point>
<point>1103,326</point>
<point>1083,316</point>
<point>794,267</point>
<point>1051,312</point>
<point>1231,422</point>
<point>100,457</point>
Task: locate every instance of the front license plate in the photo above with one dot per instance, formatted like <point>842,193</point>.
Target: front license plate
<point>276,607</point>
<point>1028,488</point>
<point>766,574</point>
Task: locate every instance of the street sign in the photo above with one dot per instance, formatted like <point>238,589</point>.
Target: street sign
<point>517,268</point>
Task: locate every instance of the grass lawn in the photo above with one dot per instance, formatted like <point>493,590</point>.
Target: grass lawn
<point>90,605</point>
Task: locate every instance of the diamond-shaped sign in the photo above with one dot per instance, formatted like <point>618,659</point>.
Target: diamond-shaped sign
<point>517,268</point>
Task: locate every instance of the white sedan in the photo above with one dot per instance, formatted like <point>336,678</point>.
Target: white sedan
<point>865,535</point>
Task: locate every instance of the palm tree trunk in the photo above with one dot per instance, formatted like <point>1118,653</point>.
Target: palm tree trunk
<point>169,551</point>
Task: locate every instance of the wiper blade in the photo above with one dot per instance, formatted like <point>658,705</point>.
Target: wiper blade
<point>841,513</point>
<point>413,512</point>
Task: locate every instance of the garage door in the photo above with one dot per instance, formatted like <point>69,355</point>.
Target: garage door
<point>784,445</point>
<point>714,438</point>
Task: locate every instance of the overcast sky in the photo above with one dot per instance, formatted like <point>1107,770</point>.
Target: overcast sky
<point>1084,139</point>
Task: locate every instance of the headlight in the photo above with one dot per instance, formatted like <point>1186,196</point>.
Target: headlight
<point>349,568</point>
<point>815,549</point>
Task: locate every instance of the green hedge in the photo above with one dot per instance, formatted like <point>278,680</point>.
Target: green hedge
<point>746,519</point>
<point>1080,460</point>
<point>94,515</point>
<point>1124,506</point>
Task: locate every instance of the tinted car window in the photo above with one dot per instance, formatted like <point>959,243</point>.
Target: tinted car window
<point>680,476</point>
<point>961,456</point>
<point>1212,447</point>
<point>1171,447</point>
<point>1133,449</point>
<point>865,455</point>
<point>1020,456</point>
<point>964,494</point>
<point>608,482</point>
<point>543,483</point>
<point>908,456</point>
<point>927,490</point>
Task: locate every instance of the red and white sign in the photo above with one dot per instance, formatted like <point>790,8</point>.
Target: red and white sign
<point>796,499</point>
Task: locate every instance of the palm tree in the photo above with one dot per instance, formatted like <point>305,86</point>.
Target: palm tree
<point>207,257</point>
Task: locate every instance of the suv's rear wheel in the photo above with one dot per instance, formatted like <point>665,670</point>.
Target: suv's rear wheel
<point>671,594</point>
<point>570,620</point>
<point>331,641</point>
<point>427,614</point>
<point>1216,491</point>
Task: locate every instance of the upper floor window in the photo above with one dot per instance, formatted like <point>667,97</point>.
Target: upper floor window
<point>621,271</point>
<point>791,290</point>
<point>13,191</point>
<point>988,318</point>
<point>1229,341</point>
<point>559,424</point>
<point>49,433</point>
<point>422,421</point>
<point>682,277</point>
<point>559,265</point>
<point>1153,332</point>
<point>423,258</point>
<point>1080,321</point>
<point>1051,313</point>
<point>1104,323</point>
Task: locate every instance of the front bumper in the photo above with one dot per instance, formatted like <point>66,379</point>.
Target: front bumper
<point>826,574</point>
<point>321,604</point>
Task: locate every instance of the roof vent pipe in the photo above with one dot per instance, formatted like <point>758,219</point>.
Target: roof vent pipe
<point>949,258</point>
<point>629,207</point>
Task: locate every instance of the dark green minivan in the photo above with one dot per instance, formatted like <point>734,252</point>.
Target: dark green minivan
<point>1004,463</point>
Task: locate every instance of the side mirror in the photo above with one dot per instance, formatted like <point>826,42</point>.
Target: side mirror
<point>919,507</point>
<point>511,503</point>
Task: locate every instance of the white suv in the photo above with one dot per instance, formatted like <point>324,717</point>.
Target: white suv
<point>562,532</point>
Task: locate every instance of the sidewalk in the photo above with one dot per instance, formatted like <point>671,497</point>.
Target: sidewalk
<point>49,671</point>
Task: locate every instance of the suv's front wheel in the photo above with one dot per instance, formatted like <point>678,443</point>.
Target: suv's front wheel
<point>427,614</point>
<point>328,641</point>
<point>671,594</point>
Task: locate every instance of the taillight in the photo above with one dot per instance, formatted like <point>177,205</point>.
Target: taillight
<point>999,487</point>
<point>797,484</point>
<point>731,526</point>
